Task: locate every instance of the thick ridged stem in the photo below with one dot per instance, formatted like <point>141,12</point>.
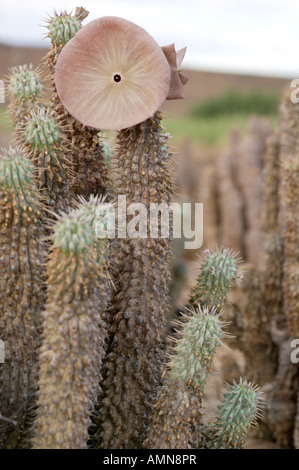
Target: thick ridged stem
<point>83,145</point>
<point>176,420</point>
<point>74,335</point>
<point>217,275</point>
<point>25,90</point>
<point>271,275</point>
<point>270,209</point>
<point>141,276</point>
<point>230,197</point>
<point>271,278</point>
<point>256,342</point>
<point>281,394</point>
<point>21,296</point>
<point>45,148</point>
<point>249,168</point>
<point>96,209</point>
<point>193,354</point>
<point>289,210</point>
<point>236,413</point>
<point>261,295</point>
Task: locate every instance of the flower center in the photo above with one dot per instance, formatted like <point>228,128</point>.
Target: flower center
<point>117,78</point>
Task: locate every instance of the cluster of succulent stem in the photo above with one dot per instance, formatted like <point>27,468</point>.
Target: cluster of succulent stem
<point>45,147</point>
<point>282,257</point>
<point>239,407</point>
<point>84,319</point>
<point>25,90</point>
<point>74,334</point>
<point>178,418</point>
<point>261,171</point>
<point>140,303</point>
<point>217,275</point>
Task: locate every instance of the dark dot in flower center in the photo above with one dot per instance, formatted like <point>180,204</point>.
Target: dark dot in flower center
<point>117,78</point>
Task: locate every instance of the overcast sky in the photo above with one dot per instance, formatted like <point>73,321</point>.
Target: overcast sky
<point>244,36</point>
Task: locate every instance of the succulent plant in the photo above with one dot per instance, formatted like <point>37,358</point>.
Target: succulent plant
<point>289,192</point>
<point>217,275</point>
<point>74,334</point>
<point>201,333</point>
<point>177,420</point>
<point>93,325</point>
<point>63,27</point>
<point>263,168</point>
<point>21,294</point>
<point>141,294</point>
<point>44,146</point>
<point>25,90</point>
<point>237,412</point>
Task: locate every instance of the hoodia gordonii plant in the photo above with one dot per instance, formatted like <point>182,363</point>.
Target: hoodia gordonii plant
<point>267,308</point>
<point>141,297</point>
<point>74,333</point>
<point>178,418</point>
<point>21,294</point>
<point>217,275</point>
<point>96,359</point>
<point>289,205</point>
<point>40,136</point>
<point>45,147</point>
<point>140,265</point>
<point>25,91</point>
<point>240,406</point>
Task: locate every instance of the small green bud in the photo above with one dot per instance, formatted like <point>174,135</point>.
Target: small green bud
<point>193,354</point>
<point>24,83</point>
<point>42,131</point>
<point>236,413</point>
<point>217,274</point>
<point>72,233</point>
<point>15,171</point>
<point>63,27</point>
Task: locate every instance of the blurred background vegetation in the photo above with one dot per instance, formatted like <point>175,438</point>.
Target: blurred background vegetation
<point>208,122</point>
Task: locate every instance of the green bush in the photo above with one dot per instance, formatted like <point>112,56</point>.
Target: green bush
<point>212,132</point>
<point>236,102</point>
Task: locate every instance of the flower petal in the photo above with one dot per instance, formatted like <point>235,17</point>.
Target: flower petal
<point>112,74</point>
<point>175,59</point>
